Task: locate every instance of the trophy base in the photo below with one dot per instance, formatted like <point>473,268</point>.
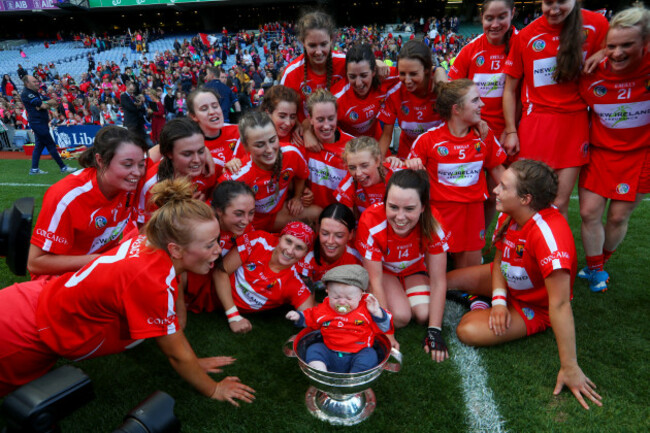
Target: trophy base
<point>347,409</point>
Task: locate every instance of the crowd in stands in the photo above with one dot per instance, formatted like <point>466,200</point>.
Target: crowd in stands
<point>252,62</point>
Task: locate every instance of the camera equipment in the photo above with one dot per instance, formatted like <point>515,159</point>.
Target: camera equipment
<point>15,233</point>
<point>37,406</point>
<point>153,415</point>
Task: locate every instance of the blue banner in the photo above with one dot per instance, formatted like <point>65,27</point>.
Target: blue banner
<point>75,135</point>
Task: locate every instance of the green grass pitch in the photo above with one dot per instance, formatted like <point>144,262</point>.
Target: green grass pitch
<point>612,341</point>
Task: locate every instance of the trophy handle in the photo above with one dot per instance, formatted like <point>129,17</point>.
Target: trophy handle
<point>287,347</point>
<point>396,366</point>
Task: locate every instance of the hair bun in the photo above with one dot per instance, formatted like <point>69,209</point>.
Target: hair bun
<point>172,191</point>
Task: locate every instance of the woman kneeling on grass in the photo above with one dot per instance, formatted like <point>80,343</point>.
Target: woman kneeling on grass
<point>125,295</point>
<point>532,274</point>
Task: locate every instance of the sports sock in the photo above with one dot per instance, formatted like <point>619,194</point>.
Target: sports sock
<point>595,263</point>
<point>607,255</point>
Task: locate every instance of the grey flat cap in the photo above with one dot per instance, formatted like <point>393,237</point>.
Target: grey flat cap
<point>354,275</point>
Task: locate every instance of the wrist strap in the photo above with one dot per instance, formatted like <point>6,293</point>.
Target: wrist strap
<point>233,315</point>
<point>499,297</point>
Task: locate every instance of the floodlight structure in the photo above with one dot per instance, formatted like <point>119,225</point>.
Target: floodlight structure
<point>15,233</point>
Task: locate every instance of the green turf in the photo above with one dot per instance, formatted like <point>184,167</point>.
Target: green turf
<point>613,349</point>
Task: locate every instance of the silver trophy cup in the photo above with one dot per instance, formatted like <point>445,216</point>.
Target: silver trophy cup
<point>341,398</point>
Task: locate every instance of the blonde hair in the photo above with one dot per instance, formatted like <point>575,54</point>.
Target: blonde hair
<point>633,17</point>
<point>318,97</point>
<point>363,143</point>
<point>177,213</point>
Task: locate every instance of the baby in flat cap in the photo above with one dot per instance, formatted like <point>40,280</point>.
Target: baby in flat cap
<point>348,319</point>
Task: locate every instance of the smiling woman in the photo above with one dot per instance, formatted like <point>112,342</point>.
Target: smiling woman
<point>85,214</point>
<point>404,250</point>
<point>185,154</point>
<point>265,276</point>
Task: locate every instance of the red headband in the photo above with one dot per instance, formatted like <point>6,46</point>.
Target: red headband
<point>301,231</point>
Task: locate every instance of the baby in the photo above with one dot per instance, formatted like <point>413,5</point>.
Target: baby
<point>348,320</point>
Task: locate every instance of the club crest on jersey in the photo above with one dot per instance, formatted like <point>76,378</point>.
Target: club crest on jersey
<point>359,322</point>
<point>232,145</point>
<point>405,110</point>
<point>100,222</point>
<point>480,61</point>
<point>600,91</point>
<point>285,176</point>
<point>270,285</point>
<point>255,189</point>
<point>519,249</point>
<point>622,188</point>
<point>250,266</point>
<point>539,45</point>
<point>647,85</point>
<point>306,90</point>
<point>443,151</point>
<point>528,313</point>
<point>361,196</point>
<point>354,116</point>
<point>477,146</point>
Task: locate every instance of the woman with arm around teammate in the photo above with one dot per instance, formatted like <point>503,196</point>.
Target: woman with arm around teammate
<point>404,250</point>
<point>547,58</point>
<point>411,101</point>
<point>123,296</point>
<point>270,170</point>
<point>532,274</point>
<point>85,214</point>
<point>619,167</point>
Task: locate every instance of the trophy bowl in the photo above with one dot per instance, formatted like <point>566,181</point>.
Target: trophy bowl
<point>341,398</point>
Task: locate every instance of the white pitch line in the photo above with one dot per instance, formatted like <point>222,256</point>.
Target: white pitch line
<point>25,184</point>
<point>483,412</point>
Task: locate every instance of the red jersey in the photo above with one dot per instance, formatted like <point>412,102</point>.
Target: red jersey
<point>348,333</point>
<point>122,296</point>
<point>483,63</point>
<point>294,77</point>
<point>620,107</point>
<point>145,208</point>
<point>358,116</point>
<point>222,148</point>
<point>533,57</point>
<point>77,219</point>
<point>270,194</point>
<point>257,287</point>
<point>455,164</point>
<point>401,256</point>
<point>308,267</point>
<point>352,194</point>
<point>327,169</point>
<point>530,253</point>
<point>414,115</point>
